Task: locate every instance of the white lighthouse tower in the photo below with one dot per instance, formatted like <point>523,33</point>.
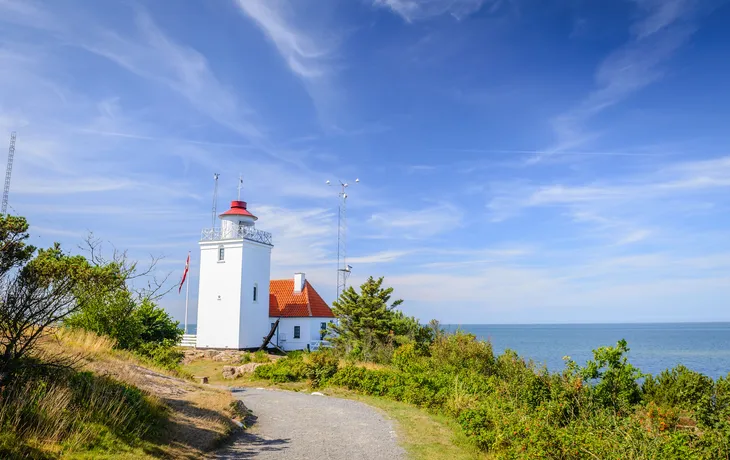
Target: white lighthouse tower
<point>233,297</point>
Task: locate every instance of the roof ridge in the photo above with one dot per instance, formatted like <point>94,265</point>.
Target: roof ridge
<point>306,294</point>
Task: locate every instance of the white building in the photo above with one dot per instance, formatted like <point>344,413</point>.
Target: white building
<point>238,303</point>
<point>303,314</point>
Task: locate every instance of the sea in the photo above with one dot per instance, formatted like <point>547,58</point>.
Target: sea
<point>654,347</point>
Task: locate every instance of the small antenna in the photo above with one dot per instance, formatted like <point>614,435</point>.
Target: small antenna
<point>343,270</point>
<point>240,186</point>
<point>215,196</point>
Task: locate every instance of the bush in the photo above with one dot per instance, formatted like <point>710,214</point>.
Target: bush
<point>680,387</point>
<point>260,357</point>
<point>156,325</point>
<point>513,409</point>
<point>458,353</point>
<point>614,379</point>
<point>478,424</point>
<point>165,354</point>
<point>321,366</point>
<point>289,369</point>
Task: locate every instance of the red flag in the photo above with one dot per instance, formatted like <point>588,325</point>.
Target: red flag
<point>185,274</point>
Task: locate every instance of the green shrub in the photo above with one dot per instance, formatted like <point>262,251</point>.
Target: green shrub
<point>260,357</point>
<point>165,354</point>
<point>478,424</point>
<point>613,378</point>
<point>682,388</point>
<point>511,408</point>
<point>321,366</point>
<point>289,369</point>
<point>460,352</point>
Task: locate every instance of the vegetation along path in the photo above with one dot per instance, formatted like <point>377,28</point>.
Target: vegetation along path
<point>291,425</point>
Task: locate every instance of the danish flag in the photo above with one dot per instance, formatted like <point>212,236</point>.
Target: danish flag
<point>185,274</point>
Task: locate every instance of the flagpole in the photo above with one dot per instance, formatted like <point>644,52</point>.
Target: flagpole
<point>187,295</point>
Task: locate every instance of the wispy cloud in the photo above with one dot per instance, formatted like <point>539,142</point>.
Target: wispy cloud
<point>418,223</point>
<point>379,257</point>
<point>416,10</point>
<point>663,27</point>
<point>676,179</point>
<point>151,54</point>
<point>305,55</point>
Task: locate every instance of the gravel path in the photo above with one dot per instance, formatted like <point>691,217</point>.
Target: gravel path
<point>303,426</point>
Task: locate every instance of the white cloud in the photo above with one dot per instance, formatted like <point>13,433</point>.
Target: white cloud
<point>305,55</point>
<point>660,14</point>
<point>379,257</point>
<point>151,54</point>
<point>634,237</point>
<point>664,27</point>
<point>676,180</point>
<point>419,223</point>
<point>415,10</point>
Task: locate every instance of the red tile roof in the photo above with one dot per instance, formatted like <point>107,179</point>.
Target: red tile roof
<point>238,208</point>
<point>285,303</point>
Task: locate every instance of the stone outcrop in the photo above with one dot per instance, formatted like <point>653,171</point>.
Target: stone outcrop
<point>231,372</point>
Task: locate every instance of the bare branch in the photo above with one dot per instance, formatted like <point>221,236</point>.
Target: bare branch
<point>130,270</point>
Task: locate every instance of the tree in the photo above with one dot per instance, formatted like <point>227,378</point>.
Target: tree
<point>368,320</point>
<point>125,311</point>
<point>156,324</point>
<point>35,294</point>
<point>143,281</point>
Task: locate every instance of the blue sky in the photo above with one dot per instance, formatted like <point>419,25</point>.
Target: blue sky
<point>558,161</point>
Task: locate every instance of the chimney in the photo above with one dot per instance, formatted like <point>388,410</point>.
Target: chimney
<point>299,280</point>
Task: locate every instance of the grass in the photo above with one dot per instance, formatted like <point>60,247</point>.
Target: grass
<point>424,435</point>
<point>208,368</point>
<point>111,405</point>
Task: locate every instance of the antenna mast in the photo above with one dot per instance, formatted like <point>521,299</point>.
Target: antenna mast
<point>8,173</point>
<point>343,270</point>
<point>215,197</point>
<point>240,186</point>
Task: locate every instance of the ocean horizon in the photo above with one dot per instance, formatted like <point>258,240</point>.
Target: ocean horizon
<point>654,347</point>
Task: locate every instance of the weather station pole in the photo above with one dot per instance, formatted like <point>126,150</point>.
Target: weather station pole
<point>343,270</point>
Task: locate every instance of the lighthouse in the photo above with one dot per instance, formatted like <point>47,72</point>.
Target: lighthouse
<point>233,295</point>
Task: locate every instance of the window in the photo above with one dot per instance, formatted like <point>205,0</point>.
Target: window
<point>255,292</point>
<point>297,332</point>
<point>221,254</point>
<point>322,330</point>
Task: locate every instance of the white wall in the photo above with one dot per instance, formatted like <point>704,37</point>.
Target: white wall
<point>310,328</point>
<point>254,318</point>
<point>219,295</point>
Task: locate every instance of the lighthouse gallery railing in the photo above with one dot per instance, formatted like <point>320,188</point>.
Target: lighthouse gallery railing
<point>248,233</point>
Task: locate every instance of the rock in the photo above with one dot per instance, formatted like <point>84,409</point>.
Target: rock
<point>239,409</point>
<point>231,372</point>
<point>202,379</point>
